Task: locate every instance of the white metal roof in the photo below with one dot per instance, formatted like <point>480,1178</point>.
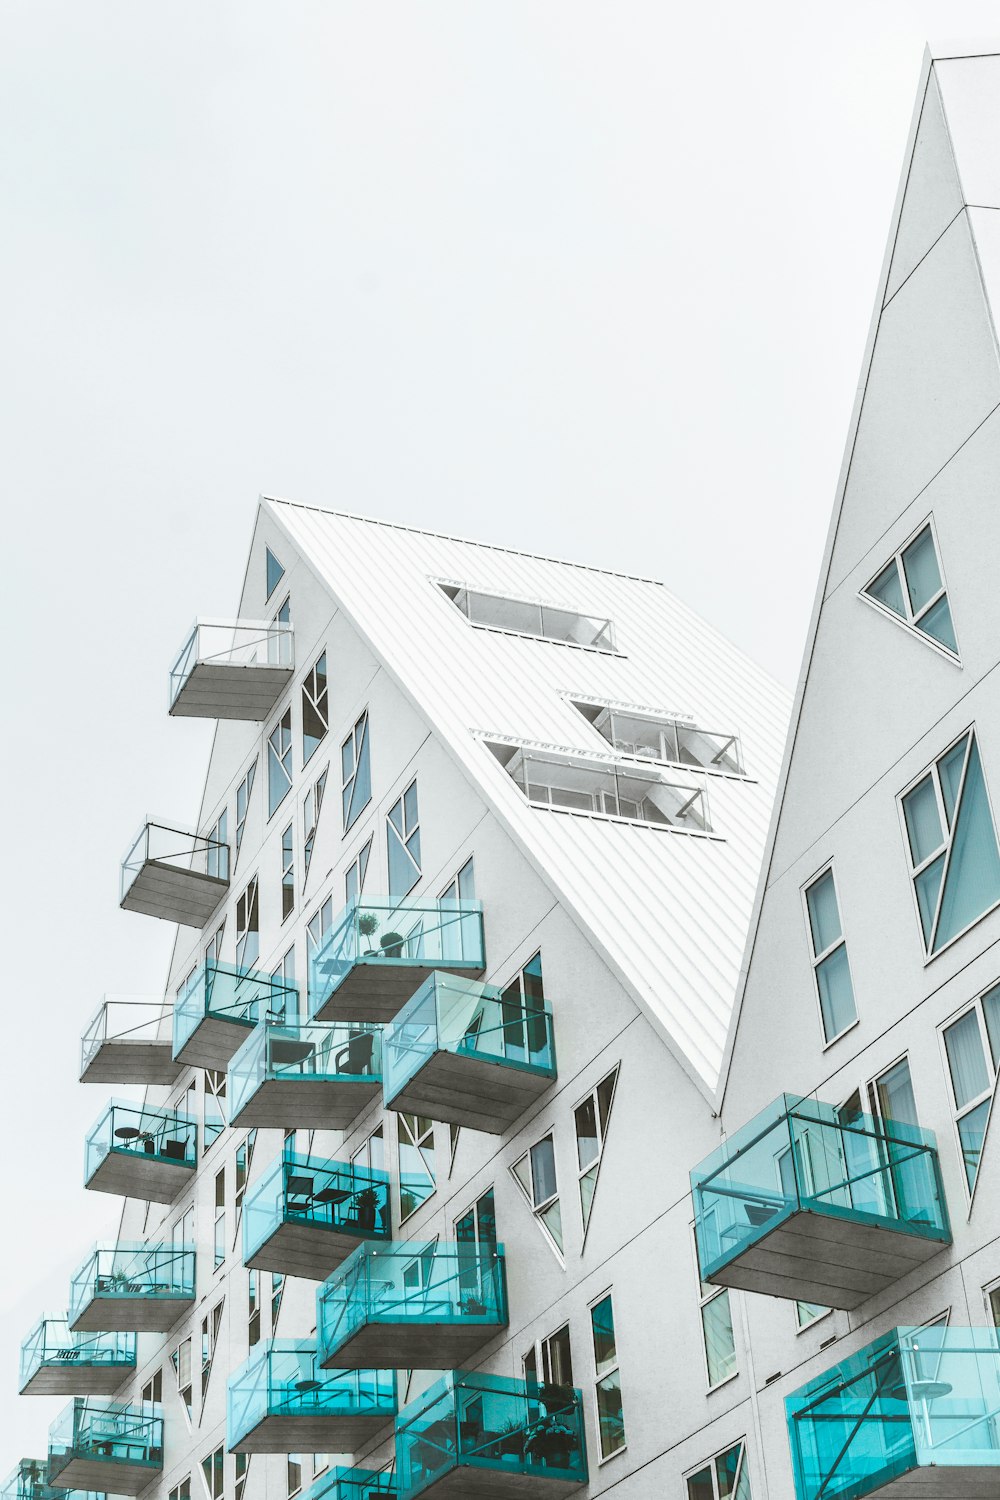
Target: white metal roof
<point>669,911</point>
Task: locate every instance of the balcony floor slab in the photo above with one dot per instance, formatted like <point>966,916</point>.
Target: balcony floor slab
<point>213,1042</point>
<point>477,1482</point>
<point>174,894</point>
<point>76,1378</point>
<point>129,1313</point>
<point>320,1432</point>
<point>137,1174</point>
<point>231,690</point>
<point>406,1345</point>
<point>111,1475</point>
<point>306,1249</point>
<point>940,1482</point>
<point>134,1063</point>
<point>308,1103</point>
<point>460,1088</point>
<point>376,990</point>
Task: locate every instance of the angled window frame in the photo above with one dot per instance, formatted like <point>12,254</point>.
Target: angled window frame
<point>453,589</point>
<point>248,923</point>
<point>911,621</point>
<point>987,1096</point>
<point>818,957</point>
<point>603,1373</point>
<point>594,1164</point>
<point>539,1206</point>
<point>278,751</point>
<point>358,742</point>
<point>271,580</point>
<point>710,1466</point>
<point>312,807</point>
<point>404,834</point>
<point>315,701</point>
<point>662,720</point>
<point>287,884</point>
<point>707,1294</point>
<point>244,793</point>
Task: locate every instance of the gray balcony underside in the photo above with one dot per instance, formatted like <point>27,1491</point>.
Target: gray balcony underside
<point>461,1089</point>
<point>316,1432</point>
<point>374,990</point>
<point>130,1312</point>
<point>963,1482</point>
<point>408,1345</point>
<point>813,1257</point>
<point>174,894</point>
<point>138,1174</point>
<point>301,1248</point>
<point>109,1475</point>
<point>132,1062</point>
<point>213,1042</point>
<point>308,1103</point>
<point>468,1483</point>
<point>74,1377</point>
<point>231,690</point>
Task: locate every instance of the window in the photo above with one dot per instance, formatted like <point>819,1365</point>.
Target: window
<point>181,1361</point>
<point>217,854</point>
<point>717,1332</point>
<point>317,927</point>
<point>241,1461</point>
<point>311,804</point>
<point>607,1384</point>
<point>569,781</point>
<point>285,974</point>
<point>210,1326</point>
<point>242,805</point>
<point>253,1308</point>
<point>527,617</point>
<point>152,1391</point>
<point>354,878</point>
<point>315,708</point>
<point>523,1010</point>
<point>591,1120</point>
<point>247,928</point>
<point>275,572</point>
<point>213,1468</point>
<point>370,1155</point>
<point>287,874</point>
<point>279,643</point>
<point>279,762</point>
<point>724,1477</point>
<point>182,1490</point>
<point>219,1251</point>
<point>972,1047</point>
<point>215,1105</point>
<point>831,970</point>
<point>403,835</point>
<point>550,1361</point>
<point>807,1313</point>
<point>911,589</point>
<point>244,1157</point>
<point>478,1225</point>
<point>277,1288</point>
<point>952,844</point>
<point>213,953</point>
<point>417,1179</point>
<point>535,1175</point>
<point>355,765</point>
<point>293,1474</point>
<point>643,734</point>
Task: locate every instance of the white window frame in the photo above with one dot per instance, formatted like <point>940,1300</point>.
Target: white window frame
<point>541,1351</point>
<point>358,867</point>
<point>287,871</point>
<point>245,791</point>
<point>403,839</point>
<point>537,1206</point>
<point>312,806</point>
<point>318,699</point>
<point>709,1464</point>
<point>704,1298</point>
<point>248,902</point>
<point>209,1458</point>
<point>601,1375</point>
<point>911,622</point>
<point>359,737</point>
<point>816,959</point>
<point>417,1141</point>
<point>975,1005</point>
<point>602,1136</point>
<point>663,719</point>
<point>611,649</point>
<point>280,758</point>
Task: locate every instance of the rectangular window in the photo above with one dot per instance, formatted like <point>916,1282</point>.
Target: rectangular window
<point>311,805</point>
<point>647,735</point>
<point>219,1250</point>
<point>242,805</point>
<point>241,1461</point>
<point>831,970</point>
<point>277,1288</point>
<point>403,836</point>
<point>550,1361</point>
<point>527,617</point>
<point>213,1469</point>
<point>217,855</point>
<point>287,874</point>
<point>972,1048</point>
<point>181,1361</point>
<point>182,1490</point>
<point>591,1121</point>
<point>253,1308</point>
<point>724,1477</point>
<point>285,974</point>
<point>717,1331</point>
<point>370,1155</point>
<point>355,765</point>
<point>293,1474</point>
<point>210,1326</point>
<point>535,1175</point>
<point>215,1106</point>
<point>354,879</point>
<point>279,762</point>
<point>247,928</point>
<point>575,782</point>
<point>315,708</point>
<point>317,927</point>
<point>607,1382</point>
<point>911,589</point>
<point>417,1179</point>
<point>152,1391</point>
<point>213,953</point>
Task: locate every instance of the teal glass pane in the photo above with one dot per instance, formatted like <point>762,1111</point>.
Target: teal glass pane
<point>888,589</point>
<point>720,1345</point>
<point>972,882</point>
<point>963,1043</point>
<point>920,566</point>
<point>404,871</point>
<point>700,1486</point>
<point>731,1472</point>
<point>128,1130</point>
<point>927,886</point>
<point>824,916</point>
<point>282,1378</point>
<point>107,1432</point>
<point>29,1481</point>
<point>991,1013</point>
<point>950,769</point>
<point>923,821</point>
<point>836,993</point>
<point>972,1133</point>
<point>157,1272</point>
<point>222,992</point>
<point>489,1422</point>
<point>937,623</point>
<point>275,572</point>
<point>51,1345</point>
<point>610,1414</point>
<point>353,1484</point>
<point>327,1195</point>
<point>311,1053</point>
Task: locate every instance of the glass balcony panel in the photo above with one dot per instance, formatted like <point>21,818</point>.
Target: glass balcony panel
<point>306,1215</point>
<point>918,1410</point>
<point>510,1437</point>
<point>380,952</point>
<point>280,1401</point>
<point>29,1481</point>
<point>315,1076</point>
<point>804,1204</point>
<point>232,669</point>
<point>354,1484</point>
<point>410,1305</point>
<point>126,1287</point>
<point>98,1444</point>
<point>57,1362</point>
<point>174,874</point>
<point>139,1152</point>
<point>128,1041</point>
<point>461,1052</point>
<point>220,1005</point>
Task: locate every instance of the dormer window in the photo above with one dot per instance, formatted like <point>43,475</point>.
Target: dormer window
<point>545,622</point>
<point>644,734</point>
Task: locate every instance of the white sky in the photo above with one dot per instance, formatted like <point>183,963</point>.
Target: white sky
<point>592,279</point>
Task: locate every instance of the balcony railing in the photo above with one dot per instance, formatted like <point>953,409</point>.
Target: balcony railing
<point>280,1401</point>
<point>923,1403</point>
<point>317,1076</point>
<point>380,952</point>
<point>139,1152</point>
<point>511,1437</point>
<point>354,1484</point>
<point>464,1053</point>
<point>306,1215</point>
<point>102,1445</point>
<point>58,1362</point>
<point>132,1287</point>
<point>803,1203</point>
<point>220,1005</point>
<point>30,1481</point>
<point>232,669</point>
<point>128,1041</point>
<point>175,875</point>
<point>408,1305</point>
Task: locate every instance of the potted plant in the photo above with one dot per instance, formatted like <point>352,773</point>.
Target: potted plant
<point>473,1307</point>
<point>555,1397</point>
<point>510,1441</point>
<point>368,926</point>
<point>550,1442</point>
<point>392,944</point>
<point>366,1205</point>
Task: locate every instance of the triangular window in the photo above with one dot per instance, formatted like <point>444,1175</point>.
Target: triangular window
<point>972,1047</point>
<point>275,572</point>
<point>535,1175</point>
<point>591,1118</point>
<point>911,588</point>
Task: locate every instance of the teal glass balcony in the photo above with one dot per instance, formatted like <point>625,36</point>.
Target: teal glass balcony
<point>315,1076</point>
<point>58,1362</point>
<point>102,1445</point>
<point>175,875</point>
<point>306,1215</point>
<point>219,1007</point>
<point>461,1052</point>
<point>128,1041</point>
<point>232,669</point>
<point>915,1413</point>
<point>354,1484</point>
<point>380,952</point>
<point>409,1305</point>
<point>802,1203</point>
<point>140,1152</point>
<point>280,1401</point>
<point>30,1481</point>
<point>494,1438</point>
<point>120,1288</point>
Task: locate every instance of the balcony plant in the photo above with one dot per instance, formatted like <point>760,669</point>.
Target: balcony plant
<point>551,1442</point>
<point>473,1307</point>
<point>392,944</point>
<point>367,927</point>
<point>365,1206</point>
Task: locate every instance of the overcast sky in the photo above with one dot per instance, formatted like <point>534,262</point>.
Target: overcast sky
<point>587,279</point>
